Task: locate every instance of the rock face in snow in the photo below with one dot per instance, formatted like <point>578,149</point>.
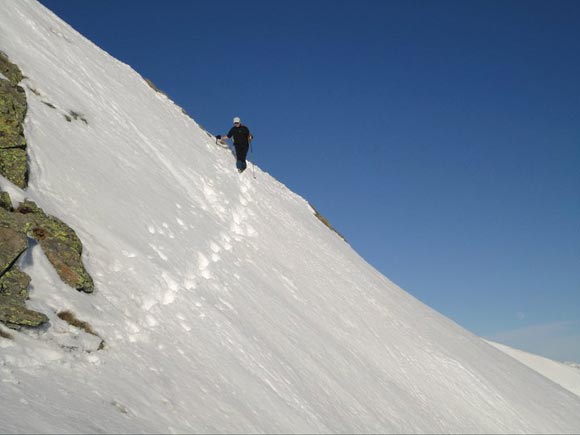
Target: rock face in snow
<point>13,244</point>
<point>5,201</point>
<point>9,70</point>
<point>13,157</point>
<point>14,288</point>
<point>225,304</point>
<point>13,311</point>
<point>61,246</point>
<point>14,282</point>
<point>59,242</point>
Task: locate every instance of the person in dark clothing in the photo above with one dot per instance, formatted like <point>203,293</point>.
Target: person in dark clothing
<point>242,138</point>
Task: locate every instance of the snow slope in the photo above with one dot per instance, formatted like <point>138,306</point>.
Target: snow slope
<point>226,306</point>
<point>565,375</point>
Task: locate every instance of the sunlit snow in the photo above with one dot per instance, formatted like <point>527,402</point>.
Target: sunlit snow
<point>225,305</point>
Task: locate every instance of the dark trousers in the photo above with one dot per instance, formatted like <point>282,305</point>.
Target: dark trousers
<point>241,152</point>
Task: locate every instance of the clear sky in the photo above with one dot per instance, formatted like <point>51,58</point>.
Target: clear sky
<point>441,138</point>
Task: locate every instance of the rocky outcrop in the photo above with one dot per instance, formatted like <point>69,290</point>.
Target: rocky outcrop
<point>14,314</point>
<point>12,244</point>
<point>5,201</point>
<point>9,70</point>
<point>13,106</point>
<point>61,246</point>
<point>14,283</point>
<point>58,241</point>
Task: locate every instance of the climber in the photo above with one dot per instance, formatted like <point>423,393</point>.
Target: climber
<point>242,138</point>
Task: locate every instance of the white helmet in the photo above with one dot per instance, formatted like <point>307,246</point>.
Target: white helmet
<point>237,120</point>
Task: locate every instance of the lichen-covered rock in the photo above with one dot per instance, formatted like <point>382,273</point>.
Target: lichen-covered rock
<point>5,201</point>
<point>14,166</point>
<point>12,244</point>
<point>13,282</point>
<point>14,285</point>
<point>13,109</point>
<point>67,263</point>
<point>9,70</point>
<point>13,156</point>
<point>60,243</point>
<point>15,314</point>
<point>15,221</point>
<point>45,226</point>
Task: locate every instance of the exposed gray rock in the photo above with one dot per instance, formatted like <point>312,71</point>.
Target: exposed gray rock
<point>14,284</point>
<point>15,314</point>
<point>9,70</point>
<point>12,244</point>
<point>60,243</point>
<point>5,201</point>
<point>13,107</point>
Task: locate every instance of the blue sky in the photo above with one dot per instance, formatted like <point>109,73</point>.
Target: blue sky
<point>442,139</point>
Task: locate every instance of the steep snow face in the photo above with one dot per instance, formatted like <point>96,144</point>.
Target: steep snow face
<point>225,305</point>
<point>563,374</point>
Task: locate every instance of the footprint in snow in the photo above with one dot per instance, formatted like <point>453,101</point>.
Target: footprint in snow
<point>215,249</point>
<point>203,264</point>
<point>129,254</point>
<point>158,251</point>
<point>226,241</point>
<point>171,289</point>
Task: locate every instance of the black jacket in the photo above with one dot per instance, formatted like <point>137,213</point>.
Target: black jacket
<point>241,135</point>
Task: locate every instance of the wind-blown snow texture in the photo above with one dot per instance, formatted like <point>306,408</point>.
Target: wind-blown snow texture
<point>563,374</point>
<point>224,303</point>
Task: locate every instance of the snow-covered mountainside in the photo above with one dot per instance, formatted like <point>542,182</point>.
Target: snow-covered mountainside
<point>224,304</point>
<point>563,374</point>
